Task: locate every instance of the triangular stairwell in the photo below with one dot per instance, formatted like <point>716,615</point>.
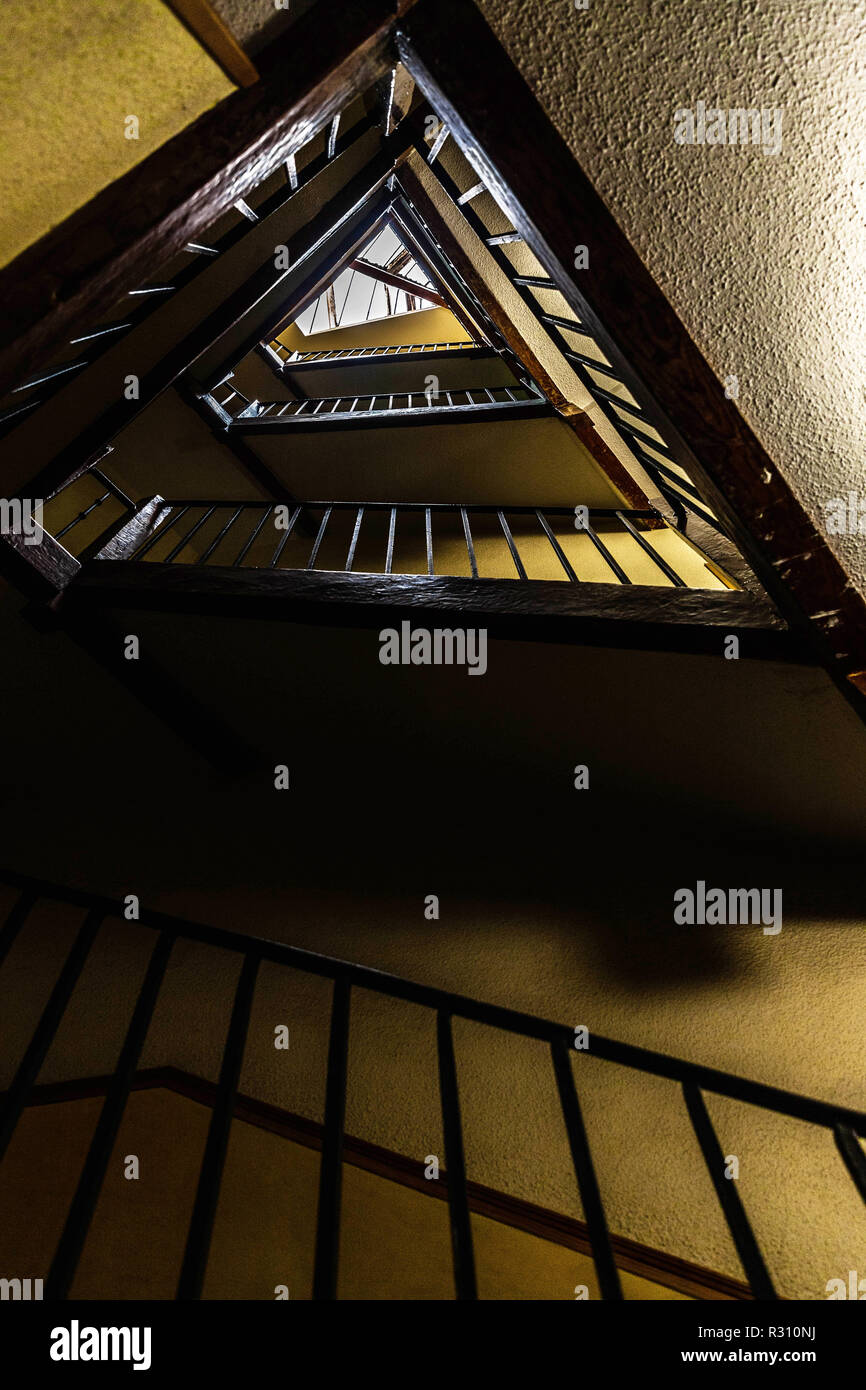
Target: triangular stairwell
<point>380,348</point>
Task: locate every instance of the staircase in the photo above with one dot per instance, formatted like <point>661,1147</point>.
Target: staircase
<point>563,1040</point>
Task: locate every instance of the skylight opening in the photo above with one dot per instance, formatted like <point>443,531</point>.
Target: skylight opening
<point>357,296</point>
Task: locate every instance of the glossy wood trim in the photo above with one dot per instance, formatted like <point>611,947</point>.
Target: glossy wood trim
<point>638,616</point>
<point>39,571</point>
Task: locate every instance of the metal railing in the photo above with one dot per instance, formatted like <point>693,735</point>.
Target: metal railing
<point>140,303</point>
<point>694,1078</point>
<point>78,491</point>
<point>587,361</point>
<point>214,530</point>
<point>459,403</point>
<point>356,354</point>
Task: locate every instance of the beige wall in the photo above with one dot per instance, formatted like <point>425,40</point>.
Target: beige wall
<point>762,256</point>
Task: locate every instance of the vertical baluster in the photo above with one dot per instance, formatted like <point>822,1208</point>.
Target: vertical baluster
<point>350,559</point>
<point>244,551</point>
<point>852,1155</point>
<point>557,548</point>
<point>584,1171</point>
<point>71,1244</point>
<point>506,531</point>
<point>318,541</point>
<point>657,560</point>
<point>428,531</point>
<point>283,541</point>
<point>332,136</point>
<point>605,553</point>
<point>14,922</point>
<point>198,1241</point>
<point>37,1049</point>
<point>221,535</point>
<point>469,546</point>
<point>187,537</point>
<point>331,1169</point>
<point>729,1199</point>
<point>458,1201</point>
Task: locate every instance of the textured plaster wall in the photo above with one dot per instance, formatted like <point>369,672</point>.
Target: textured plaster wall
<point>762,256</point>
<point>257,22</point>
<point>70,75</point>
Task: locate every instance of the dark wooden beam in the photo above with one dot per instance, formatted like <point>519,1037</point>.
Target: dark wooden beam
<point>397,282</point>
<point>84,467</point>
<point>80,269</point>
<point>339,253</point>
<point>525,163</point>
<point>419,233</point>
<point>576,419</point>
<point>132,531</point>
<point>39,571</point>
<point>637,616</point>
<point>104,339</point>
<point>274,364</point>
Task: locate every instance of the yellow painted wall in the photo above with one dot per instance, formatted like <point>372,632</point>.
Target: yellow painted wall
<point>71,72</point>
<point>529,462</point>
<point>421,326</point>
<point>395,1241</point>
